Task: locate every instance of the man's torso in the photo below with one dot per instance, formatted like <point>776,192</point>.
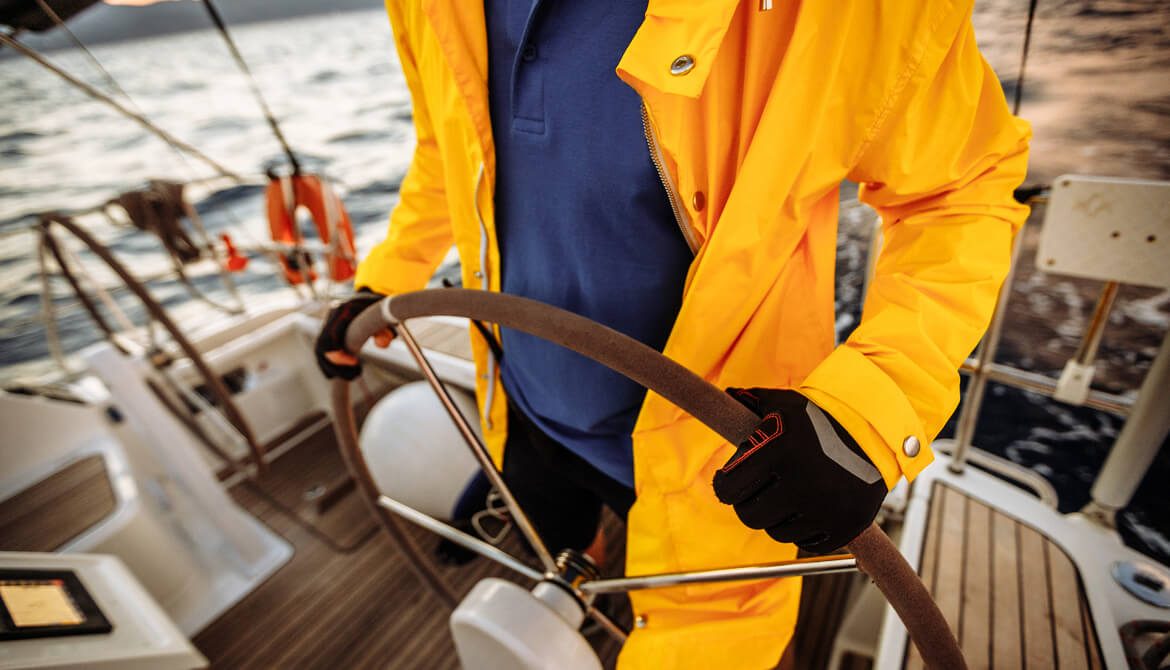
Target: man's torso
<point>583,220</point>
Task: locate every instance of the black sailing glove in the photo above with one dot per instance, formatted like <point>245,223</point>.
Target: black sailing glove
<point>799,476</point>
<point>332,336</point>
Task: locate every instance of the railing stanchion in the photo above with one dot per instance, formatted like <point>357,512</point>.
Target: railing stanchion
<point>984,355</point>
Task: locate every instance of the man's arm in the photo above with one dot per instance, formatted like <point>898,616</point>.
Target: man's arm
<point>420,231</point>
<point>940,171</point>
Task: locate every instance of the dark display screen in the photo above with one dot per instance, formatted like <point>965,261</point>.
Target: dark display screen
<point>47,603</point>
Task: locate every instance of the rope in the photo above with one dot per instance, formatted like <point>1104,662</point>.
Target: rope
<point>103,295</point>
<point>8,41</point>
<point>214,383</point>
<point>1024,58</point>
<point>113,84</point>
<point>86,301</point>
<point>225,274</point>
<point>158,210</point>
<point>48,309</point>
<point>231,45</point>
<point>110,81</point>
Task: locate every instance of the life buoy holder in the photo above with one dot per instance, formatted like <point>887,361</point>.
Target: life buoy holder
<point>284,196</point>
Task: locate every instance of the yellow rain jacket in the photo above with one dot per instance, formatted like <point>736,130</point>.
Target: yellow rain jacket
<point>756,114</point>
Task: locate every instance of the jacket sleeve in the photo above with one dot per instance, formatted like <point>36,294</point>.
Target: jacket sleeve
<point>940,170</point>
<point>420,232</point>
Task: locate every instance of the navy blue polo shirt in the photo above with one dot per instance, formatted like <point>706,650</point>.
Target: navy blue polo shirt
<point>583,220</point>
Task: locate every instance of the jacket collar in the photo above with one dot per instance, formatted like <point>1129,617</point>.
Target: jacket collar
<point>461,30</point>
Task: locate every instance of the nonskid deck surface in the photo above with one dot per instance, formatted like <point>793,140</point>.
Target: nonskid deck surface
<point>1011,595</point>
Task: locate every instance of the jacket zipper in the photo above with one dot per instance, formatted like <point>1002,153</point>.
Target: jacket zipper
<point>484,285</point>
<point>676,205</point>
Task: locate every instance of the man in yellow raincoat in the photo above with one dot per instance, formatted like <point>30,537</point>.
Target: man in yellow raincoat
<point>754,113</point>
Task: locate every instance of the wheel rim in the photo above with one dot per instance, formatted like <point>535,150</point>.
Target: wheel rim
<point>215,385</point>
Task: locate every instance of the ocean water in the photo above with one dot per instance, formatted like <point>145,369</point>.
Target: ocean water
<point>1097,93</point>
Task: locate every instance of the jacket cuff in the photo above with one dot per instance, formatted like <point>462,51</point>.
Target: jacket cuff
<point>871,407</point>
<point>391,277</point>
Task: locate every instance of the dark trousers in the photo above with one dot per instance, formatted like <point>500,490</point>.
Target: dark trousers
<point>561,492</point>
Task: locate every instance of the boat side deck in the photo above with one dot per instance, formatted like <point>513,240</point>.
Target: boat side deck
<point>1012,596</point>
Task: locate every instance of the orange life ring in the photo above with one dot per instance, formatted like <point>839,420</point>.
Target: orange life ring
<point>284,196</point>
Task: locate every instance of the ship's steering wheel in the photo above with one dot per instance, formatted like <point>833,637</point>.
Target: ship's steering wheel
<point>215,385</point>
<point>875,554</point>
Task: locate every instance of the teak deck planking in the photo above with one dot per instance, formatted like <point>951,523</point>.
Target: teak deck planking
<point>49,513</point>
<point>1012,596</point>
<point>440,336</point>
<point>361,608</point>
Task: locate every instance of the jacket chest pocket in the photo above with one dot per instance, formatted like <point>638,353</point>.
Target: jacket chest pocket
<point>675,48</point>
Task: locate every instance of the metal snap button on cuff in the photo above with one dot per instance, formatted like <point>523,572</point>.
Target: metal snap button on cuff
<point>910,446</point>
<point>682,65</point>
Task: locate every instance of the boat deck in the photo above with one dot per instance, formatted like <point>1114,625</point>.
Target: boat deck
<point>1012,596</point>
<point>347,598</point>
<point>441,336</point>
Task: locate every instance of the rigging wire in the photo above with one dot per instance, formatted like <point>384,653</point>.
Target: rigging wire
<point>8,41</point>
<point>1024,58</point>
<point>231,45</point>
<point>107,77</point>
<point>113,83</point>
<point>133,111</point>
<point>110,81</point>
<point>190,211</point>
<point>220,25</point>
